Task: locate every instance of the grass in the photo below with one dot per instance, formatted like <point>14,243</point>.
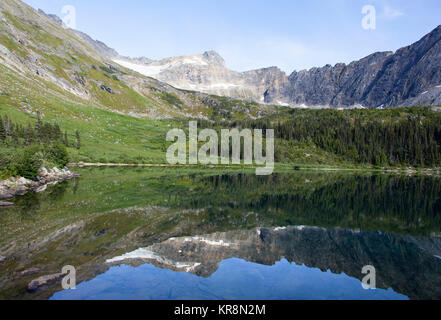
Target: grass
<point>105,136</point>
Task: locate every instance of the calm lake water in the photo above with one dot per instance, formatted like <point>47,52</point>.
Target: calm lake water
<point>162,233</point>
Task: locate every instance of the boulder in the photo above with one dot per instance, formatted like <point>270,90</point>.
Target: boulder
<point>56,170</point>
<point>20,190</point>
<point>5,193</point>
<point>23,181</point>
<point>43,172</point>
<point>41,188</point>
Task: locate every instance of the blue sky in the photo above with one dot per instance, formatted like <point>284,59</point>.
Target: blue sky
<point>250,34</point>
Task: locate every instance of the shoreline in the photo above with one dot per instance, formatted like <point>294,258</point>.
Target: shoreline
<point>408,170</point>
<point>19,186</point>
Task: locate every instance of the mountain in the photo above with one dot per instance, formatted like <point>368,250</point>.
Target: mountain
<point>99,46</point>
<point>411,76</point>
<point>42,61</point>
<point>208,73</point>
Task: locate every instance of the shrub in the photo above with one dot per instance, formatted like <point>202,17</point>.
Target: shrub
<point>57,153</point>
<point>25,163</point>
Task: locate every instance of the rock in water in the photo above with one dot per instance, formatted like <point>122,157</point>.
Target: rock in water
<point>5,204</point>
<point>20,186</point>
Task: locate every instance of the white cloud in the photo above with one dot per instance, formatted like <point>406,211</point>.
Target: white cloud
<point>392,13</point>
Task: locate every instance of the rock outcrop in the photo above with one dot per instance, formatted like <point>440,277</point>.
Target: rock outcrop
<point>17,186</point>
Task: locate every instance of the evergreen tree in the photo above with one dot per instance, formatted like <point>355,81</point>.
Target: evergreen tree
<point>66,139</point>
<point>57,133</point>
<point>2,130</point>
<point>78,139</point>
<point>30,135</point>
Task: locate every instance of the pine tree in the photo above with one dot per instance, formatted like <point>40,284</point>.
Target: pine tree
<point>15,137</point>
<point>2,130</point>
<point>30,135</point>
<point>57,133</point>
<point>66,139</point>
<point>78,142</point>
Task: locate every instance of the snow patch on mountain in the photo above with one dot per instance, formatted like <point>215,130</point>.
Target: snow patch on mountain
<point>145,70</point>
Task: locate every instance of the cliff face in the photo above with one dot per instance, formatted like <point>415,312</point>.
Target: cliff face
<point>408,73</point>
<point>411,76</point>
<point>341,85</point>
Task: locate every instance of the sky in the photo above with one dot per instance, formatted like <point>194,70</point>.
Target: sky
<point>251,34</point>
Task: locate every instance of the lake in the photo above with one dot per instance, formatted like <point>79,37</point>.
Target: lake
<point>176,233</point>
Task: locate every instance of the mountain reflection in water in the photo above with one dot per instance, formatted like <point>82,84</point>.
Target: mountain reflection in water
<point>272,263</point>
<point>200,224</point>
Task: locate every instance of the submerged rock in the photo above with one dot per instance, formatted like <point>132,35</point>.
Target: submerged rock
<point>5,204</point>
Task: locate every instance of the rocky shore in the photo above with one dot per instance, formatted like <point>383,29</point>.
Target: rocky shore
<point>18,186</point>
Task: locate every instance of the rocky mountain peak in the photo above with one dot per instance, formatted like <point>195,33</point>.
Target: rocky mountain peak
<point>53,17</point>
<point>213,58</point>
